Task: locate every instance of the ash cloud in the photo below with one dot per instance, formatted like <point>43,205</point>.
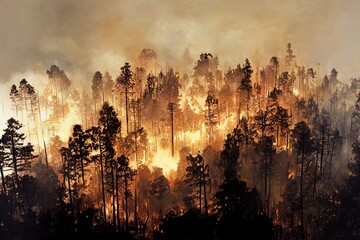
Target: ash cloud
<point>85,36</point>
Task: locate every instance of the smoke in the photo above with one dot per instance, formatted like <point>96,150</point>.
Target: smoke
<point>82,37</point>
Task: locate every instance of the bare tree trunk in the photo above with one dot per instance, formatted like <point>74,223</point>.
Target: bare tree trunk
<point>301,195</point>
<point>3,179</point>
<point>102,183</point>
<point>126,110</point>
<point>126,204</point>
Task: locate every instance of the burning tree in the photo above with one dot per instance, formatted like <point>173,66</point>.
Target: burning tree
<point>211,115</point>
<point>197,176</point>
<point>125,80</point>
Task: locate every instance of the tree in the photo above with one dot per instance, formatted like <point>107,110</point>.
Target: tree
<point>283,122</point>
<point>61,84</point>
<point>126,174</point>
<point>20,155</point>
<point>125,80</point>
<point>265,147</point>
<point>15,98</point>
<point>335,143</point>
<point>229,159</point>
<point>304,145</point>
<point>274,64</point>
<point>211,115</point>
<point>264,120</point>
<point>346,223</point>
<point>235,206</point>
<point>3,165</point>
<point>246,83</point>
<point>103,138</point>
<point>160,187</point>
<point>322,131</point>
<point>197,176</point>
<point>29,100</point>
<point>312,110</point>
<point>110,126</point>
<point>203,64</point>
<point>108,88</point>
<point>80,148</point>
<point>290,57</point>
<point>148,58</point>
<point>98,89</point>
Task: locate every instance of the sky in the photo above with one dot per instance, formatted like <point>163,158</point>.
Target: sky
<point>84,36</point>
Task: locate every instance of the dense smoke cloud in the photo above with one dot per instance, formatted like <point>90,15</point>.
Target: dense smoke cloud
<point>85,36</point>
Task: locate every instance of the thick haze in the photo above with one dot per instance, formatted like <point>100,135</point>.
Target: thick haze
<point>84,36</point>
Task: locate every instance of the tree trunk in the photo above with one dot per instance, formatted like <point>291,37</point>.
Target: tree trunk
<point>113,196</point>
<point>322,152</point>
<point>205,198</point>
<point>301,194</point>
<point>200,185</point>
<point>3,179</point>
<point>126,204</point>
<point>102,183</point>
<point>265,187</point>
<point>117,203</point>
<point>126,110</point>
<point>13,150</point>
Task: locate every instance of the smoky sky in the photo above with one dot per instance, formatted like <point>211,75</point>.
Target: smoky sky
<point>84,36</point>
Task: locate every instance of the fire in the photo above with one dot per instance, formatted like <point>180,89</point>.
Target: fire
<point>291,175</point>
<point>164,160</point>
<point>296,92</point>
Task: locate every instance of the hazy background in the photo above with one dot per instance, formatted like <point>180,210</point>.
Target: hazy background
<point>84,36</point>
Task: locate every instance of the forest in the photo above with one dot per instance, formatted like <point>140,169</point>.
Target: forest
<point>245,152</point>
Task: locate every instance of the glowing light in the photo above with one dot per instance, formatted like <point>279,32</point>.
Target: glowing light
<point>291,175</point>
<point>296,92</point>
<point>164,160</point>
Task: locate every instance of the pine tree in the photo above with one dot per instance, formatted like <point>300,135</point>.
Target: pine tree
<point>80,149</point>
<point>20,155</point>
<point>125,80</point>
<point>211,115</point>
<point>126,174</point>
<point>304,145</point>
<point>197,176</point>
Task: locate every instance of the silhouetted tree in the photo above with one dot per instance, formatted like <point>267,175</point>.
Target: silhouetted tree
<point>80,148</point>
<point>265,147</point>
<point>211,115</point>
<point>125,80</point>
<point>97,89</point>
<point>246,83</point>
<point>197,176</point>
<point>304,145</point>
<point>19,155</point>
<point>126,174</point>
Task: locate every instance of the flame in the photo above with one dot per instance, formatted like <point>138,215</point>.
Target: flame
<point>67,124</point>
<point>164,160</point>
<point>295,92</point>
<point>291,175</point>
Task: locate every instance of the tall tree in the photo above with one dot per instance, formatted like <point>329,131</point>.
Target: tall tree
<point>80,148</point>
<point>126,174</point>
<point>20,155</point>
<point>304,145</point>
<point>3,165</point>
<point>110,126</point>
<point>274,64</point>
<point>15,99</point>
<point>125,80</point>
<point>246,83</point>
<point>290,57</point>
<point>197,176</point>
<point>265,147</point>
<point>211,115</point>
<point>98,89</point>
